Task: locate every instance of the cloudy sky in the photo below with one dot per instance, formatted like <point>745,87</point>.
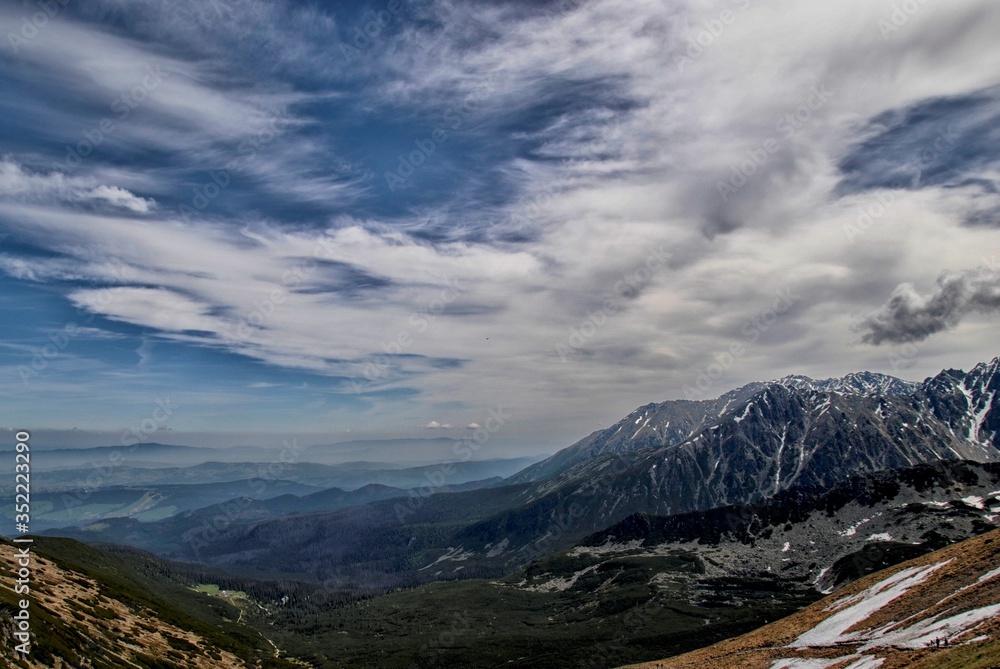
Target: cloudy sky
<point>351,220</point>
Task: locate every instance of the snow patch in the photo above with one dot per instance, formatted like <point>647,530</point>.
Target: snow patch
<point>606,548</point>
<point>854,610</point>
<point>801,663</point>
<point>455,554</point>
<point>866,662</point>
<point>922,634</point>
<point>642,426</point>
<point>499,548</point>
<point>853,529</point>
<point>973,500</point>
<point>787,547</point>
<point>881,536</point>
<point>559,584</point>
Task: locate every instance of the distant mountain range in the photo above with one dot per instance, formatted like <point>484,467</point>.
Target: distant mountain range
<point>370,454</point>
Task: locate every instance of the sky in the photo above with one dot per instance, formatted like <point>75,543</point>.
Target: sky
<point>231,221</point>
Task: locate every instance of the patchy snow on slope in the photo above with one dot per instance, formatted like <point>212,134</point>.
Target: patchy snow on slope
<point>787,547</point>
<point>561,583</point>
<point>499,548</point>
<point>866,662</point>
<point>854,610</point>
<point>606,548</point>
<point>453,554</point>
<point>801,663</point>
<point>923,633</point>
<point>973,500</point>
<point>823,572</point>
<point>862,662</point>
<point>853,529</point>
<point>881,536</point>
<point>739,419</point>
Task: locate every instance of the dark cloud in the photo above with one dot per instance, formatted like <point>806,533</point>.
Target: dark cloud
<point>909,316</point>
<point>941,141</point>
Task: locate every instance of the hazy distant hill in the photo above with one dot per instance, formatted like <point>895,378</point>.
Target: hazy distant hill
<point>348,475</point>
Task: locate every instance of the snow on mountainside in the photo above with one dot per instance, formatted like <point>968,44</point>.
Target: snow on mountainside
<point>749,444</point>
<point>940,611</point>
<point>963,404</point>
<point>858,383</point>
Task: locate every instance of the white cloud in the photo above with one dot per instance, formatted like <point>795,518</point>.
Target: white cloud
<point>635,170</point>
<point>19,184</point>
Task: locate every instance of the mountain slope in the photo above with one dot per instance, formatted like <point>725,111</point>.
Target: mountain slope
<point>823,536</point>
<point>763,440</point>
<point>674,421</point>
<point>101,610</point>
<point>898,617</point>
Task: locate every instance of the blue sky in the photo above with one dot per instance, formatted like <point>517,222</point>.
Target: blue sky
<point>351,220</point>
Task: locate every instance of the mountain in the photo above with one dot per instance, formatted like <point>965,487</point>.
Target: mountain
<point>653,586</point>
<point>822,537</point>
<point>750,444</point>
<point>146,503</point>
<point>146,455</point>
<point>855,383</point>
<point>674,421</point>
<point>939,611</point>
<point>348,476</point>
<point>106,610</point>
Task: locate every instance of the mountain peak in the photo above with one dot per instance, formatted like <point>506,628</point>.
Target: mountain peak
<point>855,383</point>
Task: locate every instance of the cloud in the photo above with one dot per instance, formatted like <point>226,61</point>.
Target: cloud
<point>909,316</point>
<point>19,184</point>
<point>586,138</point>
<point>473,426</point>
<point>434,425</point>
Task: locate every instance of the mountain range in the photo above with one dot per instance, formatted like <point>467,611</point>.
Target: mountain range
<point>717,515</point>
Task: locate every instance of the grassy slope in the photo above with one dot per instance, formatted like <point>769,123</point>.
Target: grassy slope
<point>86,601</point>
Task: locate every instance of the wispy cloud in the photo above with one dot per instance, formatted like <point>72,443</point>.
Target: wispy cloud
<point>240,208</point>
